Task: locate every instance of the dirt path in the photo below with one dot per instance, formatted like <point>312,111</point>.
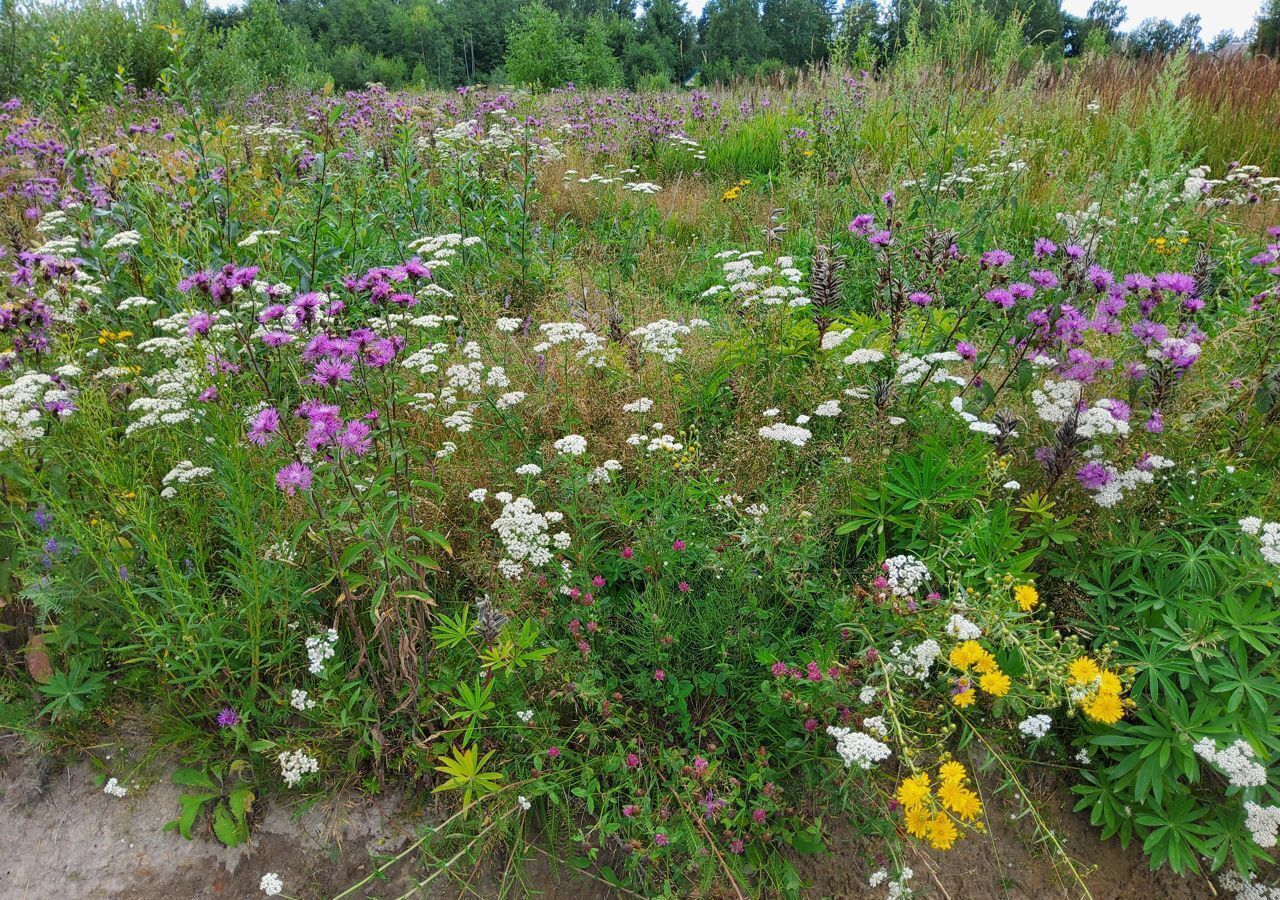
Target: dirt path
<point>62,837</point>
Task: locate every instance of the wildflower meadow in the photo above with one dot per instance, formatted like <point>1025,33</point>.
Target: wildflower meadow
<point>667,486</point>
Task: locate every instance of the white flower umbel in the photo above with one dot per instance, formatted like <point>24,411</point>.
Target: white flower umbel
<point>114,788</point>
<point>271,884</point>
<point>571,445</point>
<point>184,472</point>
<point>905,574</point>
<point>299,700</point>
<point>858,748</point>
<point>294,764</point>
<point>524,534</point>
<point>784,433</point>
<point>962,629</point>
<point>1262,822</point>
<point>1236,761</point>
<point>1036,726</point>
<point>1268,535</point>
<point>320,649</point>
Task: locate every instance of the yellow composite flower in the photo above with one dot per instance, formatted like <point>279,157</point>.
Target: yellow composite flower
<point>915,790</point>
<point>960,800</point>
<point>1027,597</point>
<point>1105,708</point>
<point>965,698</point>
<point>966,654</point>
<point>916,820</point>
<point>1084,671</point>
<point>1110,683</point>
<point>995,683</point>
<point>952,773</point>
<point>942,832</point>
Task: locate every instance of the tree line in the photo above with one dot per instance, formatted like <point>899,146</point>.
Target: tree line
<point>548,43</point>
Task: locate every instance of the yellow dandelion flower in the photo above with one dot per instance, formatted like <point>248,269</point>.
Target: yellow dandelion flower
<point>1104,708</point>
<point>966,654</point>
<point>961,801</point>
<point>916,821</point>
<point>995,683</point>
<point>964,699</point>
<point>952,773</point>
<point>986,664</point>
<point>1110,683</point>
<point>942,832</point>
<point>1084,671</point>
<point>914,790</point>
<point>1027,597</point>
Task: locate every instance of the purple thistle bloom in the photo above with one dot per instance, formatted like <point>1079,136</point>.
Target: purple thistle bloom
<point>1021,290</point>
<point>920,299</point>
<point>227,718</point>
<point>1044,278</point>
<point>330,371</point>
<point>966,350</point>
<point>1176,283</point>
<point>265,424</point>
<point>293,477</point>
<point>994,259</point>
<point>200,323</point>
<point>1094,476</point>
<point>355,438</point>
<point>1044,247</point>
<point>1000,297</point>
<point>880,239</point>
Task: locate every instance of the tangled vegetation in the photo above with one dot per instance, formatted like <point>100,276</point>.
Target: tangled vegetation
<point>661,479</point>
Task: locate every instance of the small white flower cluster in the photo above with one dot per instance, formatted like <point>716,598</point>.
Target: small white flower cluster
<point>962,629</point>
<point>114,788</point>
<point>916,662</point>
<point>173,389</point>
<point>437,250</point>
<point>21,408</point>
<point>1237,762</point>
<point>1036,726</point>
<point>642,187</point>
<point>184,472</point>
<point>905,574</point>
<point>1233,883</point>
<point>914,369</point>
<point>478,495</point>
<point>827,409</point>
<point>531,470</point>
<point>591,347</point>
<point>1263,822</point>
<point>320,649</point>
<point>858,748</point>
<point>833,339</point>
<point>876,725</point>
<point>252,238</point>
<point>508,325</point>
<point>863,357</point>
<point>299,700</point>
<point>898,889</point>
<point>1114,490</point>
<point>1058,401</point>
<point>294,764</point>
<point>571,445</point>
<point>784,433</point>
<point>271,884</point>
<point>603,473</point>
<point>661,338</point>
<point>763,284</point>
<point>122,241</point>
<point>1268,534</point>
<point>523,802</point>
<point>524,534</point>
<point>641,405</point>
<point>525,716</point>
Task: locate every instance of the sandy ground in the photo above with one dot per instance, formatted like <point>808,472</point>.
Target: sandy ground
<point>61,837</point>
